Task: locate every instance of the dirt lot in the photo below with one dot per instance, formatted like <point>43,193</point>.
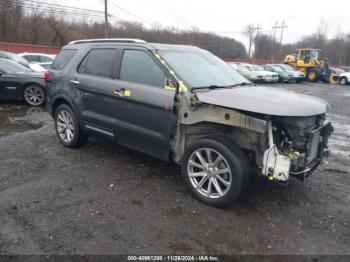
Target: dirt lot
<point>105,199</point>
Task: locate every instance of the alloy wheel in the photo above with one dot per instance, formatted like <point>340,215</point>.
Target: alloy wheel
<point>34,95</point>
<point>209,173</point>
<point>65,126</point>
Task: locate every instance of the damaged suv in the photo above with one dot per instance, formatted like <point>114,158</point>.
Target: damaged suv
<point>183,104</point>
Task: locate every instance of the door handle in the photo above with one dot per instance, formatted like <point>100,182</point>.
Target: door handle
<point>76,82</point>
<point>118,92</point>
<point>122,92</point>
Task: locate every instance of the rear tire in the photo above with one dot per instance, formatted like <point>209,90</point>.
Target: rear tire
<point>215,171</point>
<point>34,95</point>
<point>67,128</point>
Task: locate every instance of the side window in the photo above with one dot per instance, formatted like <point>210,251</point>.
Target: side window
<point>45,59</point>
<point>63,58</point>
<point>138,67</point>
<point>32,58</point>
<point>98,62</point>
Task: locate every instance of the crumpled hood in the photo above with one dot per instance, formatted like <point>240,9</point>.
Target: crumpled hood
<point>264,100</point>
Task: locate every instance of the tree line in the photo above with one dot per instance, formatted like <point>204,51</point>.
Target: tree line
<point>336,49</point>
<point>19,25</point>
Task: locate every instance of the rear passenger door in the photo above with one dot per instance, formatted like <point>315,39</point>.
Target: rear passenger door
<point>95,81</point>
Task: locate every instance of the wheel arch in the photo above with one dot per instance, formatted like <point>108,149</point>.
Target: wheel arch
<point>59,100</point>
<point>26,84</point>
<point>246,140</point>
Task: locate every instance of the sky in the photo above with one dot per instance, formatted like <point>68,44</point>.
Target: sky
<point>229,17</point>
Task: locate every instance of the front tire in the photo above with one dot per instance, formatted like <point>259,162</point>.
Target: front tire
<point>67,128</point>
<point>343,81</point>
<point>313,75</point>
<point>34,95</point>
<point>215,171</point>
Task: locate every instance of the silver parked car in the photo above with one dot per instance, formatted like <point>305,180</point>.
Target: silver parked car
<point>256,73</point>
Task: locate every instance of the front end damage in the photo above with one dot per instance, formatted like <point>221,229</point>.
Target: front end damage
<point>279,147</point>
<point>297,146</point>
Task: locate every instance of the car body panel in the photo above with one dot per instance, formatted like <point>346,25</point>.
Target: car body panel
<point>271,101</point>
<point>134,120</point>
<point>14,57</point>
<point>11,85</point>
<point>346,75</point>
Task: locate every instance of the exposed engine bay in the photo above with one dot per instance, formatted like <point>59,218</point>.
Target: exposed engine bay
<point>297,146</point>
<point>281,146</point>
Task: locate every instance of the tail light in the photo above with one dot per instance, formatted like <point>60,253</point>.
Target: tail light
<point>46,75</point>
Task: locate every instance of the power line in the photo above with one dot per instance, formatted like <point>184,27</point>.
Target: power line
<point>61,6</point>
<point>275,28</point>
<point>176,16</point>
<point>47,8</point>
<point>130,13</point>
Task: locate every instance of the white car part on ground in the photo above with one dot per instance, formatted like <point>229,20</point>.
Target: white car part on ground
<point>275,165</point>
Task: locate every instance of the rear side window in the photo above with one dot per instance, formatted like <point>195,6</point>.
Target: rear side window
<point>32,58</point>
<point>45,59</point>
<point>98,62</point>
<point>63,58</point>
<point>138,67</point>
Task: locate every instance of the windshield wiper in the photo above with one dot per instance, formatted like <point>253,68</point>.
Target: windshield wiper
<point>243,84</point>
<point>217,86</point>
<point>209,87</point>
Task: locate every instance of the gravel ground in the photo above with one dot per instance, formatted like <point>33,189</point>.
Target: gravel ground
<point>105,199</point>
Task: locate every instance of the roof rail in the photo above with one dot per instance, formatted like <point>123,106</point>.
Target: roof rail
<point>104,40</point>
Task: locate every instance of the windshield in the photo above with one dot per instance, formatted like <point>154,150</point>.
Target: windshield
<point>286,67</point>
<point>16,58</point>
<point>278,68</point>
<point>257,68</point>
<point>10,67</point>
<point>315,54</point>
<point>202,69</point>
<point>243,68</point>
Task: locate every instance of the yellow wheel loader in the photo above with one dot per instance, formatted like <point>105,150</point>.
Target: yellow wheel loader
<point>313,64</point>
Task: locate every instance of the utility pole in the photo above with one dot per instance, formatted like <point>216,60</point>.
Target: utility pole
<point>273,41</point>
<point>106,19</point>
<point>251,35</point>
<point>283,26</point>
<point>275,28</point>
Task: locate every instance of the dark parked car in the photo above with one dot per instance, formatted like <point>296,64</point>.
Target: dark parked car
<point>283,75</point>
<point>20,83</point>
<point>14,57</point>
<point>183,104</point>
<point>297,75</point>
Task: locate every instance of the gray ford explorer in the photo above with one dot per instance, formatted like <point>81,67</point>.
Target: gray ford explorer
<point>183,104</point>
